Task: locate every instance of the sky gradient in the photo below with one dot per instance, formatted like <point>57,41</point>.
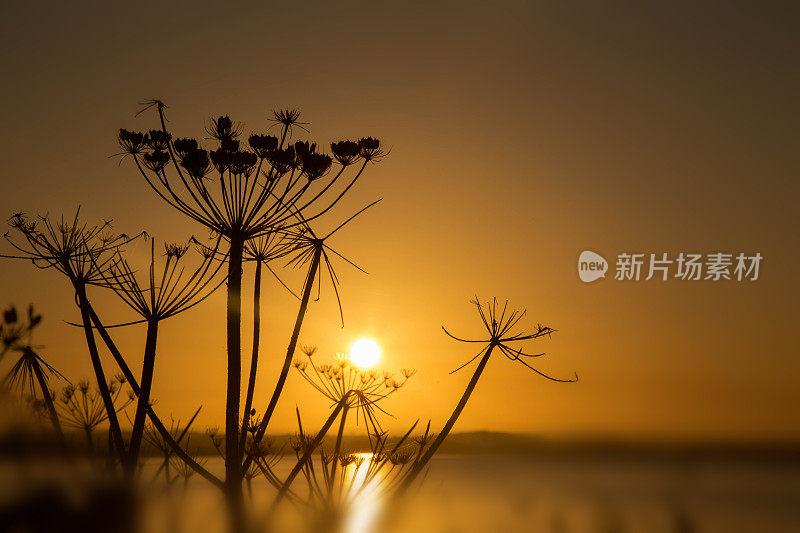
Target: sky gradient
<point>520,134</point>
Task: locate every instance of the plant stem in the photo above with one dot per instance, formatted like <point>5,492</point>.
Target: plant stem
<point>307,454</point>
<point>417,467</point>
<point>89,440</point>
<point>48,401</point>
<point>157,423</point>
<point>251,384</point>
<point>233,462</point>
<point>114,429</point>
<point>287,362</point>
<point>146,383</point>
<point>337,448</point>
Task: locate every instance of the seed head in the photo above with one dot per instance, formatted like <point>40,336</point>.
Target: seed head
<point>346,152</point>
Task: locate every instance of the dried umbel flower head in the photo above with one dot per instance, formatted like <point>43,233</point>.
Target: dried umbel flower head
<point>262,145</point>
<point>355,459</point>
<point>174,250</point>
<point>78,250</point>
<point>175,289</point>
<point>370,149</point>
<point>158,140</point>
<point>289,118</point>
<point>242,163</point>
<point>156,160</point>
<point>131,142</point>
<point>303,444</point>
<point>315,166</point>
<point>400,457</point>
<point>361,389</point>
<point>221,159</point>
<point>196,163</point>
<point>304,148</point>
<point>282,160</point>
<point>183,147</point>
<point>30,372</point>
<point>309,350</point>
<point>267,248</point>
<point>346,152</point>
<point>82,407</point>
<point>260,190</point>
<point>223,128</point>
<point>499,324</point>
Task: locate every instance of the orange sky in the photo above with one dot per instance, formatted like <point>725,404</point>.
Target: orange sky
<point>520,136</point>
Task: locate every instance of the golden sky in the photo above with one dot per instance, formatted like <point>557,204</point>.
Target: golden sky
<point>520,134</point>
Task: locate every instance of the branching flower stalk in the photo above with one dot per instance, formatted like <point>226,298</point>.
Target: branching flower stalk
<point>343,476</point>
<point>151,414</point>
<point>499,327</point>
<point>238,205</point>
<point>309,248</point>
<point>83,408</point>
<point>163,297</point>
<point>261,250</point>
<point>80,252</point>
<point>350,388</point>
<point>30,369</point>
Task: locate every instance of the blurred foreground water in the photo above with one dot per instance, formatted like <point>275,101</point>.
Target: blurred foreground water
<point>483,493</point>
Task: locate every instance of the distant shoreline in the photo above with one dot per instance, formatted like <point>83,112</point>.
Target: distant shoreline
<point>486,443</point>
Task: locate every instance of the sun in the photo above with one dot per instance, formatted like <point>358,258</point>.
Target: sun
<point>365,353</point>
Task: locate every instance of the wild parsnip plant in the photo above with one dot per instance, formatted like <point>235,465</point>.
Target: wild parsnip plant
<point>30,374</point>
<point>81,406</point>
<point>165,295</point>
<point>502,336</point>
<point>239,194</point>
<point>338,478</point>
<point>259,196</point>
<point>81,252</point>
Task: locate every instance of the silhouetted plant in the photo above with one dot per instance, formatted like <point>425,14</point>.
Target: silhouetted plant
<point>237,204</point>
<point>82,406</point>
<point>82,253</point>
<point>163,296</point>
<point>261,250</point>
<point>501,336</point>
<point>30,370</point>
<point>166,445</point>
<point>312,250</point>
<point>260,200</point>
<point>348,388</point>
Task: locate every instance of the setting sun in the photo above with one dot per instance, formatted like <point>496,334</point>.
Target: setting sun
<point>365,353</point>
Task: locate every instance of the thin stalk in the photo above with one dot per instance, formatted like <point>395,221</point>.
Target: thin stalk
<point>157,423</point>
<point>337,448</point>
<point>251,384</point>
<point>287,362</point>
<point>417,467</point>
<point>114,429</point>
<point>148,367</point>
<point>307,454</point>
<point>48,401</point>
<point>89,440</point>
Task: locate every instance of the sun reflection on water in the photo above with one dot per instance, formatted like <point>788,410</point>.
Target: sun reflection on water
<point>365,498</point>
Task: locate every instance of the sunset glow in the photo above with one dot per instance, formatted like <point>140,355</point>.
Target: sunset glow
<point>365,353</point>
